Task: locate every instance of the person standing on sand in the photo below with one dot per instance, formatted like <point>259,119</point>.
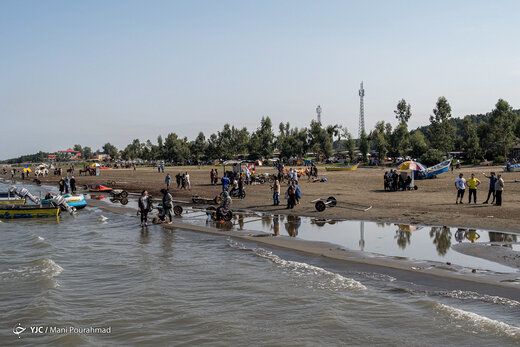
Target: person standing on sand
<point>211,176</point>
<point>73,185</point>
<point>492,181</point>
<point>473,183</point>
<point>187,179</point>
<point>178,179</point>
<point>167,180</point>
<point>144,206</point>
<point>460,184</point>
<point>167,206</point>
<point>276,192</point>
<point>67,184</point>
<point>61,185</point>
<point>499,188</point>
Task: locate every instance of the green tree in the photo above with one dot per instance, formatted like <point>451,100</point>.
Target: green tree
<point>261,143</point>
<point>502,122</point>
<point>380,140</point>
<point>400,140</point>
<point>87,153</point>
<point>199,148</point>
<point>471,139</point>
<point>110,149</point>
<point>441,132</point>
<point>403,112</point>
<point>363,145</point>
<point>350,143</point>
<point>320,140</point>
<point>418,144</point>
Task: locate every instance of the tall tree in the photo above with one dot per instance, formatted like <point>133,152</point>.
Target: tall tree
<point>363,145</point>
<point>403,112</point>
<point>320,140</point>
<point>418,144</point>
<point>471,139</point>
<point>380,140</point>
<point>502,122</point>
<point>110,149</point>
<point>87,152</point>
<point>441,132</point>
<point>261,144</point>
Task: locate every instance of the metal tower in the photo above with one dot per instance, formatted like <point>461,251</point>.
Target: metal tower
<point>361,111</point>
<point>318,111</point>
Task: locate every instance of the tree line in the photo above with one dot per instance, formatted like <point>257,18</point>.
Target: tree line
<point>485,136</point>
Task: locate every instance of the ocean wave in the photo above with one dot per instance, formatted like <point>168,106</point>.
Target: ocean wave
<point>467,295</point>
<point>477,322</point>
<point>41,268</point>
<point>102,219</point>
<point>324,279</point>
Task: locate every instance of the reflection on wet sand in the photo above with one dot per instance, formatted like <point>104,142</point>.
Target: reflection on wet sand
<point>292,225</point>
<point>441,239</point>
<point>276,225</point>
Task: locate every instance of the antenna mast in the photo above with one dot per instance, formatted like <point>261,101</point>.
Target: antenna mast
<point>318,112</point>
<point>361,111</point>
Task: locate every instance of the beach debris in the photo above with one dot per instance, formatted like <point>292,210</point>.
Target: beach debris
<point>448,263</point>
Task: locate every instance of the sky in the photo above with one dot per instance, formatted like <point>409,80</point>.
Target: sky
<point>91,72</point>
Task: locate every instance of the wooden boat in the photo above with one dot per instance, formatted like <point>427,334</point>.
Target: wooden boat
<point>434,171</point>
<point>342,168</point>
<point>99,188</point>
<point>28,211</point>
<point>512,168</point>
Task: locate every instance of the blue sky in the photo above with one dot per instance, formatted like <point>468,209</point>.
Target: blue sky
<point>89,72</point>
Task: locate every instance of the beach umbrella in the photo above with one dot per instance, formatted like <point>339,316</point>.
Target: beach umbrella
<point>412,165</point>
<point>26,169</point>
<point>95,165</point>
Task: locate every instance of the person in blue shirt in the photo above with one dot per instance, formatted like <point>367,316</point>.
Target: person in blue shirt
<point>225,183</point>
<point>492,181</point>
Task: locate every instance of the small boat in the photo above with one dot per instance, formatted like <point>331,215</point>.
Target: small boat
<point>342,168</point>
<point>512,168</point>
<point>99,188</point>
<point>12,201</point>
<point>434,171</point>
<point>78,201</point>
<point>28,211</point>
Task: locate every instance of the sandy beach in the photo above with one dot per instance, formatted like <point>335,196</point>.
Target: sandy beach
<point>432,204</point>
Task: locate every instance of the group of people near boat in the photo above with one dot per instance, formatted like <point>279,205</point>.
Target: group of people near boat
<point>67,185</point>
<point>394,181</point>
<point>496,187</point>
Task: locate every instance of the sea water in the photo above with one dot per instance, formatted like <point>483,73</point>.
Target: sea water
<point>96,279</point>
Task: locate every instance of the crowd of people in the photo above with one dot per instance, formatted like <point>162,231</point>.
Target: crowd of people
<point>496,187</point>
<point>394,181</point>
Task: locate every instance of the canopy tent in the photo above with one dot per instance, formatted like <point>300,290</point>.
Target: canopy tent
<point>412,165</point>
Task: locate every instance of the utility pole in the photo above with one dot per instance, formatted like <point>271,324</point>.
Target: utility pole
<point>361,111</point>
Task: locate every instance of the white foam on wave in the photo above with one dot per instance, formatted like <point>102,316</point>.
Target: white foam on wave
<point>43,267</point>
<point>103,219</point>
<point>479,323</point>
<point>467,295</point>
<point>316,276</point>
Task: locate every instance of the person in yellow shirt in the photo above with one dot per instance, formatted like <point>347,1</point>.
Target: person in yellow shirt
<point>472,184</point>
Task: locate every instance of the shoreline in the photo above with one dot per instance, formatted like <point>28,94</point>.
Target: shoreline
<point>427,273</point>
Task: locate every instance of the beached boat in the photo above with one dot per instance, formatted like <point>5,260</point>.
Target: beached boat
<point>512,168</point>
<point>99,188</point>
<point>342,168</point>
<point>77,200</point>
<point>434,171</point>
<point>28,211</point>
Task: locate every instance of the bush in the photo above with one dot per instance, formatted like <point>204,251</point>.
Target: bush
<point>432,157</point>
<point>499,160</point>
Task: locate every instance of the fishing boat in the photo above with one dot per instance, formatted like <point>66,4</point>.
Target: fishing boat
<point>76,200</point>
<point>28,211</point>
<point>436,170</point>
<point>342,168</point>
<point>99,188</point>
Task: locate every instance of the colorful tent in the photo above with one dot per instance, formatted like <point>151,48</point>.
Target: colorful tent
<point>412,165</point>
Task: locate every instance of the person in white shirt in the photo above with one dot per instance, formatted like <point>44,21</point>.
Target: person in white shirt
<point>460,184</point>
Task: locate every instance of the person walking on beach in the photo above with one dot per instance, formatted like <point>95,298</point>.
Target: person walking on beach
<point>73,185</point>
<point>211,176</point>
<point>499,188</point>
<point>187,180</point>
<point>473,183</point>
<point>167,206</point>
<point>460,184</point>
<point>492,181</point>
<point>167,180</point>
<point>144,206</point>
<point>276,192</point>
<point>178,179</point>
<point>61,185</point>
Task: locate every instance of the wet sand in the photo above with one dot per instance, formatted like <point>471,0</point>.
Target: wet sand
<point>432,204</point>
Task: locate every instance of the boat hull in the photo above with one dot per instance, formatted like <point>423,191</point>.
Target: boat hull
<point>12,201</point>
<point>342,168</point>
<point>77,201</point>
<point>28,211</point>
<point>99,188</point>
